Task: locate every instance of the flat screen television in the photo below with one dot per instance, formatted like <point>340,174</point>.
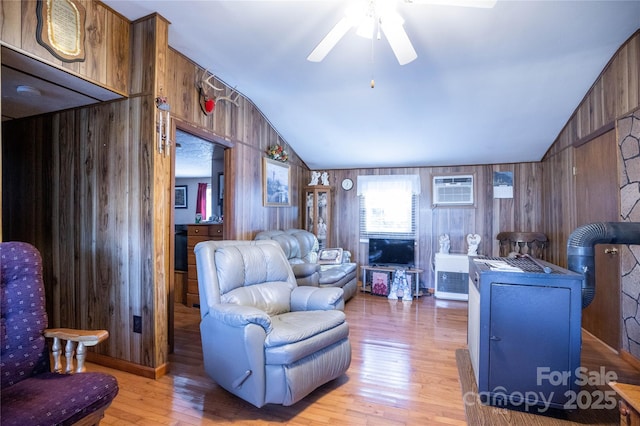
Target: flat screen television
<point>392,252</point>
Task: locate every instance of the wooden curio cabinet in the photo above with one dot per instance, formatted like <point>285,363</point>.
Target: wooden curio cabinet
<point>317,212</point>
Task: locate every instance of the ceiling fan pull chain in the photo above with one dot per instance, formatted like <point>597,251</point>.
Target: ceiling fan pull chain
<point>378,36</point>
<point>373,82</point>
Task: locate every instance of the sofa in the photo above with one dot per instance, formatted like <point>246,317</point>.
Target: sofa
<point>301,249</point>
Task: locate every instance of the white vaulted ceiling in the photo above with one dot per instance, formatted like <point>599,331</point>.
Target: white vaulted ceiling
<point>488,86</point>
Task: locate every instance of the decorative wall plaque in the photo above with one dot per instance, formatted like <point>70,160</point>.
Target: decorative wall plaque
<point>61,28</point>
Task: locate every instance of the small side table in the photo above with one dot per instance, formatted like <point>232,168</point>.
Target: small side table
<point>629,403</point>
<point>414,271</point>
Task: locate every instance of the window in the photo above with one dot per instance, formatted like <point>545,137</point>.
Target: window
<point>388,206</point>
<point>209,202</point>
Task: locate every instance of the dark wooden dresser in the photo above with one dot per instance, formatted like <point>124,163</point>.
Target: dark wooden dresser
<point>195,234</point>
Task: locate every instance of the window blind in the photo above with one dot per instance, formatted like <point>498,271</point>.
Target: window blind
<point>388,206</point>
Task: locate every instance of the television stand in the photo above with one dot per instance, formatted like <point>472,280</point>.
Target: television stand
<point>389,270</point>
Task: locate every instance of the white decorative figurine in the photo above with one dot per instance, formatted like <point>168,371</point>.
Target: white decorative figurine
<point>322,229</point>
<point>445,243</point>
<point>314,178</point>
<point>473,240</point>
<point>322,199</point>
<point>325,178</point>
<point>401,284</point>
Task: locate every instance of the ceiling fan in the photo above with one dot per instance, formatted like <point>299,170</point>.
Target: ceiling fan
<point>371,17</point>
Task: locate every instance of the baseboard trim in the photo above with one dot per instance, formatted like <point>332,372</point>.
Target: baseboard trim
<point>635,362</point>
<point>612,349</point>
<point>624,355</point>
<point>127,366</point>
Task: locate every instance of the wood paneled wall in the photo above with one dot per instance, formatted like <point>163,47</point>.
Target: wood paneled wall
<point>106,42</point>
<point>250,133</point>
<point>69,190</point>
<point>149,45</point>
<point>487,218</point>
<point>90,190</point>
<point>614,94</point>
<point>89,186</point>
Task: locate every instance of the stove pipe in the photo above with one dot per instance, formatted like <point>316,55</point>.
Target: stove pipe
<point>580,249</point>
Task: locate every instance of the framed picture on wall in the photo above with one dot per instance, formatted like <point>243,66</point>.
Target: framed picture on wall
<point>276,187</point>
<point>181,197</point>
<point>502,184</point>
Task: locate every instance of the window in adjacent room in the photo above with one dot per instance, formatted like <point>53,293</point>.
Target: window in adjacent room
<point>209,202</point>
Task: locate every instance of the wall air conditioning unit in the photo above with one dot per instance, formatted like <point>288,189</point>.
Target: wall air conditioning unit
<point>456,190</point>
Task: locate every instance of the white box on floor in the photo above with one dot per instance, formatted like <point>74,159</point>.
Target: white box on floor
<point>452,276</point>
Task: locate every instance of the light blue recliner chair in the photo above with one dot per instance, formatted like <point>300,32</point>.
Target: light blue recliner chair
<point>265,339</point>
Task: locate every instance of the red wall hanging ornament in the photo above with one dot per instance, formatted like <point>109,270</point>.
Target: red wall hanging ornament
<point>209,105</point>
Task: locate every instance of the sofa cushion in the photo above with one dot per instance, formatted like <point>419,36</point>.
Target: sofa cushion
<point>272,297</point>
<point>296,335</point>
<point>51,398</point>
<point>300,325</point>
<point>342,276</point>
<point>333,273</point>
<point>255,264</point>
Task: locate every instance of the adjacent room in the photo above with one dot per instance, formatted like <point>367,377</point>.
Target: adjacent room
<point>311,212</point>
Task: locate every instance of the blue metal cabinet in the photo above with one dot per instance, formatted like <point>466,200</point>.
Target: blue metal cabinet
<point>524,334</point>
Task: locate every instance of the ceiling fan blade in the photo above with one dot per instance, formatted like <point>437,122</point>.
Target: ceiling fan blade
<point>398,39</point>
<point>330,40</point>
<point>463,3</point>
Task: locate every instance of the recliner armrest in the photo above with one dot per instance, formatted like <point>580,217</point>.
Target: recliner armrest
<point>307,274</point>
<point>307,298</point>
<point>238,316</point>
<point>303,270</point>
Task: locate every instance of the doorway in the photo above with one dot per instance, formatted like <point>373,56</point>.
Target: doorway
<point>198,184</point>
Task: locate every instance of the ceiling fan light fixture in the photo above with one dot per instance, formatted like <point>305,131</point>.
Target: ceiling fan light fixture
<point>355,12</point>
<point>371,16</point>
<point>385,7</point>
<point>366,27</point>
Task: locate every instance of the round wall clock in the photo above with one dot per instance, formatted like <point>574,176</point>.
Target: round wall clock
<point>347,184</point>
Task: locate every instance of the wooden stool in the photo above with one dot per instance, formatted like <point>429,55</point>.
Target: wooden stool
<point>629,404</point>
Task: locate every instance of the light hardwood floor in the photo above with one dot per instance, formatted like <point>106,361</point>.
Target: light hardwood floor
<point>403,372</point>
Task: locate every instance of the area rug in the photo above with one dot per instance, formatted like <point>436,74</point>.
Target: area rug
<point>479,415</point>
